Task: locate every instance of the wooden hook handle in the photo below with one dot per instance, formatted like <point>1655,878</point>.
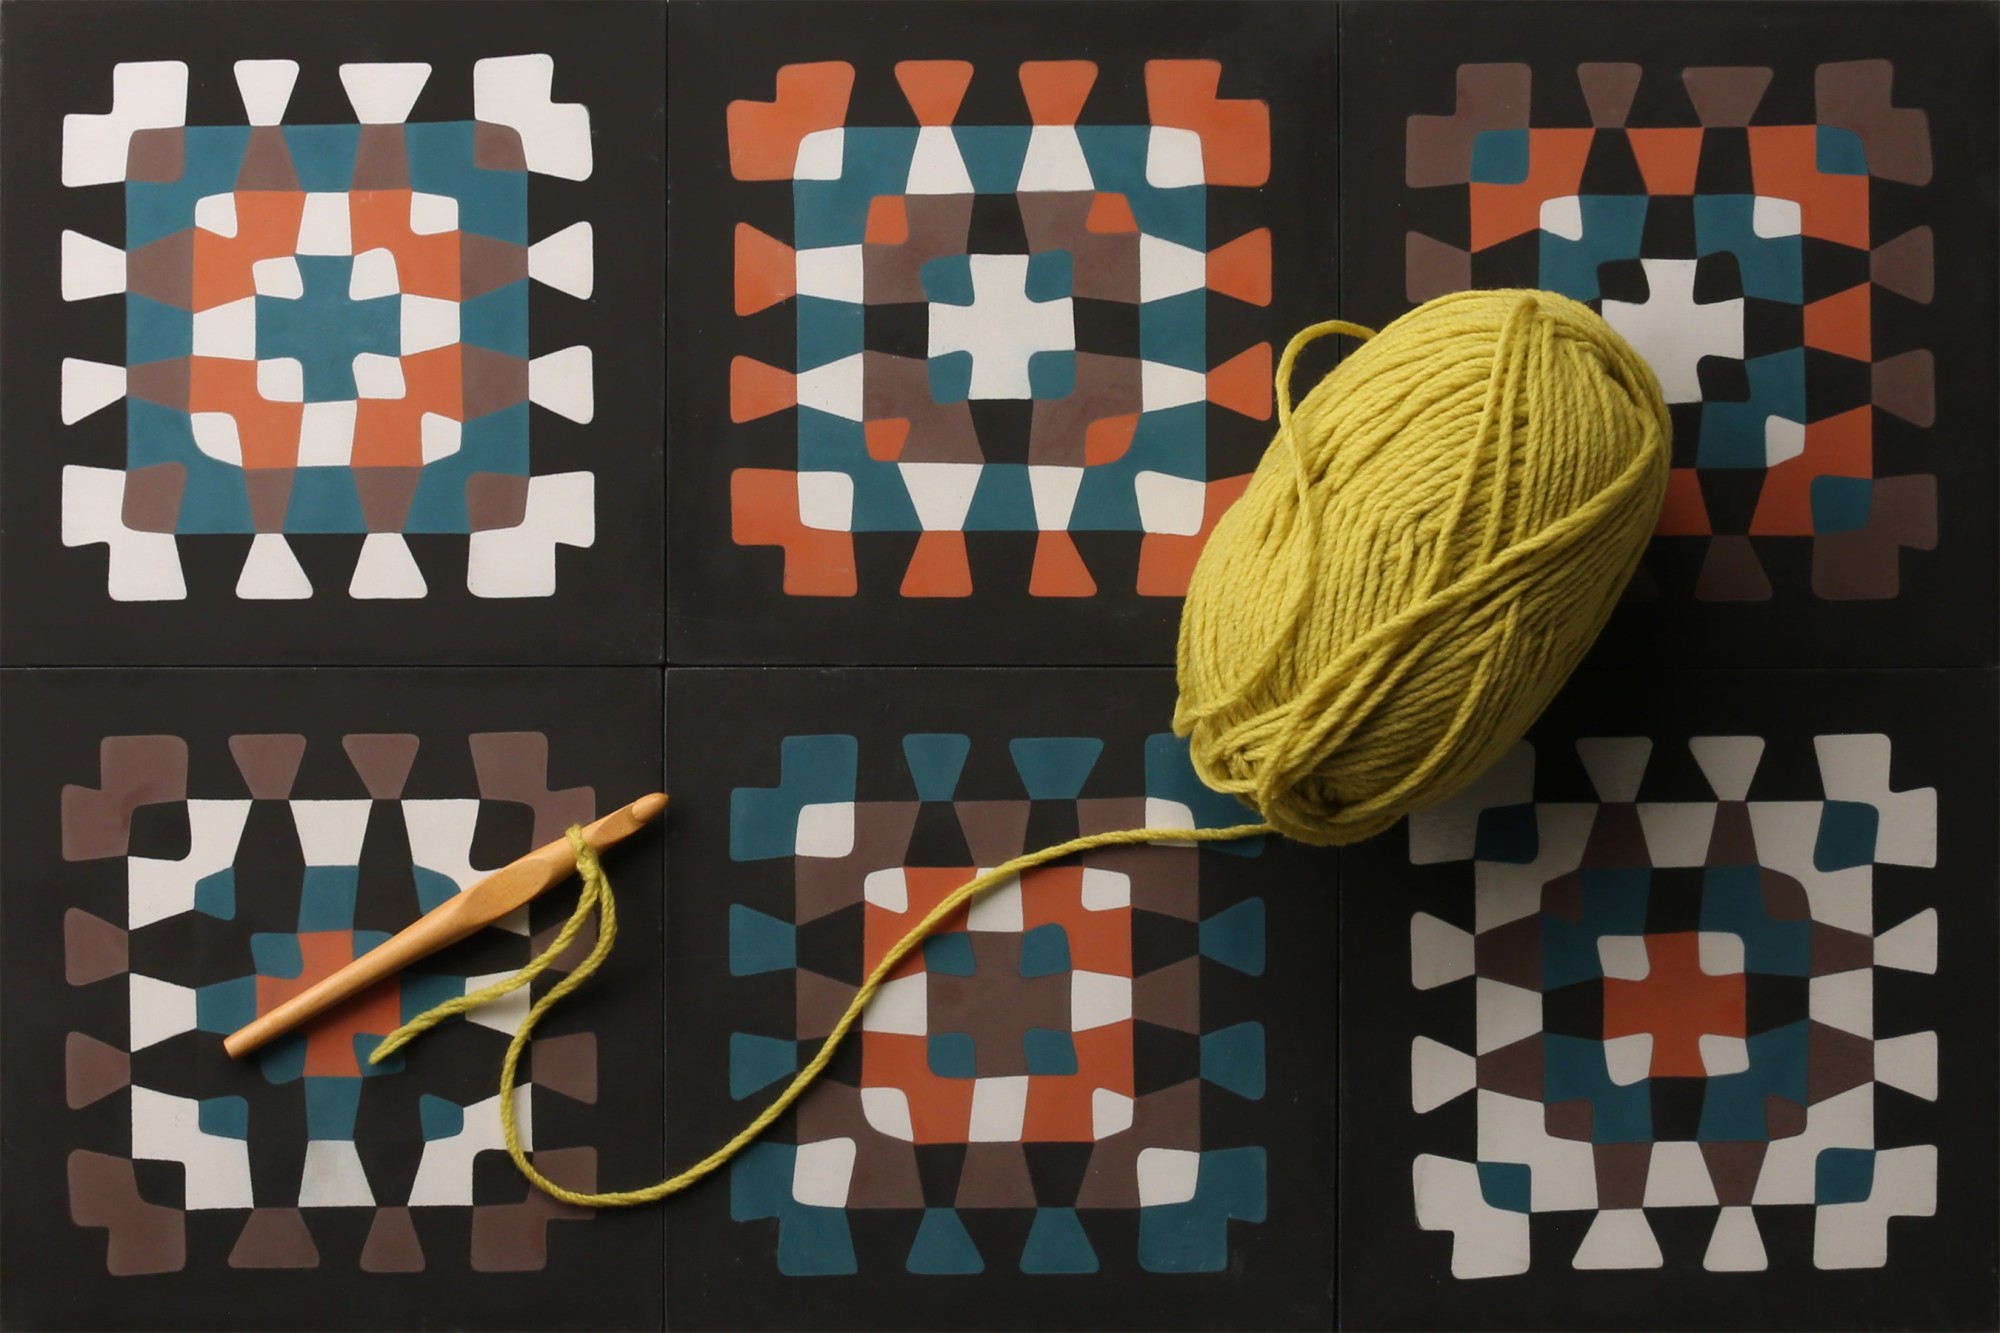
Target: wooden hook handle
<point>447,923</point>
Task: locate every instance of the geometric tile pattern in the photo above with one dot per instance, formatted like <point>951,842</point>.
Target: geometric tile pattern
<point>321,1129</point>
<point>1000,328</point>
<point>1742,255</point>
<point>327,329</point>
<point>1675,1009</point>
<point>1061,1021</point>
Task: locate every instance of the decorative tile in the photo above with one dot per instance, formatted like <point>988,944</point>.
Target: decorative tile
<point>327,359</point>
<point>996,349</point>
<point>1686,999</point>
<point>219,844</point>
<point>1079,1077</point>
<point>1790,229</point>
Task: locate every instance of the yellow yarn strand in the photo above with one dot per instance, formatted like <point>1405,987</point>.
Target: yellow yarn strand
<point>596,895</point>
<point>1436,535</point>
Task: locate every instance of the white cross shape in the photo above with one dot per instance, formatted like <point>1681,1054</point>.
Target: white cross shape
<point>1002,328</point>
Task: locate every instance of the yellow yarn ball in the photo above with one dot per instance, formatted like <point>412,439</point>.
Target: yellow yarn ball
<point>1434,538</point>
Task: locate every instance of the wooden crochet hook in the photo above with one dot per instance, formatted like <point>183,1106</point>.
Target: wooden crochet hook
<point>447,923</point>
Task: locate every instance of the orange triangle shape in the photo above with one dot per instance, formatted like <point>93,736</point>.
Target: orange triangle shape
<point>888,221</point>
<point>1667,158</point>
<point>757,390</point>
<point>885,438</point>
<point>938,567</point>
<point>934,87</point>
<point>1243,383</point>
<point>1106,439</point>
<point>765,271</point>
<point>1056,89</point>
<point>1684,514</point>
<point>1110,213</point>
<point>1059,569</point>
<point>1242,268</point>
<point>1840,323</point>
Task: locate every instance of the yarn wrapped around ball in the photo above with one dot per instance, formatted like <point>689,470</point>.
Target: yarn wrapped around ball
<point>1434,538</point>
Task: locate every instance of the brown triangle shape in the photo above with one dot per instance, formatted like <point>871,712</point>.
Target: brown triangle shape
<point>269,764</point>
<point>1732,841</point>
<point>485,264</point>
<point>1726,95</point>
<point>1170,996</point>
<point>492,380</point>
<point>1734,1168</point>
<point>93,948</point>
<point>1835,1062</point>
<point>275,1238</point>
<point>267,163</point>
<point>1511,953</point>
<point>385,494</point>
<point>92,1069</point>
<point>567,1065</point>
<point>392,1245</point>
<point>163,271</point>
<point>995,1175</point>
<point>381,159</point>
<point>820,1003</point>
<point>1906,265</point>
<point>1837,950</point>
<point>1608,90</point>
<point>1515,1069</point>
<point>382,759</point>
<point>1905,384</point>
<point>269,490</point>
<point>162,382</point>
<point>1731,572</point>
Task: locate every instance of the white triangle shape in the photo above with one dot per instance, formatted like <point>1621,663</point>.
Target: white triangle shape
<point>936,165</point>
<point>1167,268</point>
<point>1728,762</point>
<point>941,493</point>
<point>561,382</point>
<point>271,572</point>
<point>1440,952</point>
<point>333,1177</point>
<point>266,86</point>
<point>89,386</point>
<point>1736,1246</point>
<point>1912,945</point>
<point>1438,1073</point>
<point>386,569</point>
<point>383,93</point>
<point>90,267</point>
<point>160,1009</point>
<point>565,261</point>
<point>1909,1062</point>
<point>1054,160</point>
<point>1619,1238</point>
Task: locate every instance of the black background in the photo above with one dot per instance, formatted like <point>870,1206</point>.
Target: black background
<point>1400,60</point>
<point>604,730</point>
<point>608,603</point>
<point>724,729</point>
<point>726,603</point>
<point>1941,1270</point>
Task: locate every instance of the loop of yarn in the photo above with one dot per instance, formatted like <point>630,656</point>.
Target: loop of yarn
<point>1434,538</point>
<point>1431,542</point>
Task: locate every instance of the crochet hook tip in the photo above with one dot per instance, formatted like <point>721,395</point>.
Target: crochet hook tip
<point>477,905</point>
